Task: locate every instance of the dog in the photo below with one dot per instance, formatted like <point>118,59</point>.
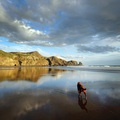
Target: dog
<point>81,89</point>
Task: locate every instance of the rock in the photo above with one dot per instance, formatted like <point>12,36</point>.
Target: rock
<point>54,61</point>
<point>80,63</point>
<point>7,59</point>
<point>70,63</point>
<point>32,59</point>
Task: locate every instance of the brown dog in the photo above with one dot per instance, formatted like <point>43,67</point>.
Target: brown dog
<point>81,88</point>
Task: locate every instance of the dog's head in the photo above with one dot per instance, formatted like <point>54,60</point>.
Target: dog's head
<point>79,83</point>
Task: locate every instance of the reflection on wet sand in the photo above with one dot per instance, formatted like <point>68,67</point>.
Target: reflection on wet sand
<point>38,105</point>
<point>27,73</point>
<point>56,98</point>
<point>82,102</point>
<point>15,106</point>
<point>55,72</point>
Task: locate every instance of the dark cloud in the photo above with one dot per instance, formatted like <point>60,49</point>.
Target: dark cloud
<point>91,18</point>
<point>66,22</point>
<point>97,49</point>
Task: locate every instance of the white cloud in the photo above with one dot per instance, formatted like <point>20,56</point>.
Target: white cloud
<point>102,59</point>
<point>76,22</point>
<point>22,48</point>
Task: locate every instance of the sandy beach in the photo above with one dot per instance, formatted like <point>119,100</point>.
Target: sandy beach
<point>53,95</point>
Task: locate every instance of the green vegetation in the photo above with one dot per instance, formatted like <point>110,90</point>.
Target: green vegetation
<point>5,54</point>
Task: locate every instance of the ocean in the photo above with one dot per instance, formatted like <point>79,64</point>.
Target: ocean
<point>50,93</point>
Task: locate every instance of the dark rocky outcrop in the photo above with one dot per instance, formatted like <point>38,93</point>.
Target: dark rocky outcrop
<point>72,62</point>
<point>32,59</point>
<point>54,61</point>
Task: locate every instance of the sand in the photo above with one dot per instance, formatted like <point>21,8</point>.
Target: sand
<point>54,97</point>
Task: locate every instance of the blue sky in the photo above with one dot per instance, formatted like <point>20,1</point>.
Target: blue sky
<point>82,30</point>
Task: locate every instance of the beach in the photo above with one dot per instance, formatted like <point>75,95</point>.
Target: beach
<point>50,93</point>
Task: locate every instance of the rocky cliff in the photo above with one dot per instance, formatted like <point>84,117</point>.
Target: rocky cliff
<point>31,59</point>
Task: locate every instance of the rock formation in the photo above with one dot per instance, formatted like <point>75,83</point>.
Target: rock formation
<point>31,59</point>
<point>54,61</point>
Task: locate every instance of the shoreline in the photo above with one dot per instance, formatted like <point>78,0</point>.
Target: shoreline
<point>76,67</point>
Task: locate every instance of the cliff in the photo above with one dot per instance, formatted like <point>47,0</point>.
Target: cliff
<point>31,59</point>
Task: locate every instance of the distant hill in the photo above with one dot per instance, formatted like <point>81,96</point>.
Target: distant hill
<point>32,59</point>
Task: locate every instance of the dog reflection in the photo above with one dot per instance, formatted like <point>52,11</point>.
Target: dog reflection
<point>82,102</point>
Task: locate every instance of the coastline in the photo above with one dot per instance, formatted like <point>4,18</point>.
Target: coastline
<point>110,68</point>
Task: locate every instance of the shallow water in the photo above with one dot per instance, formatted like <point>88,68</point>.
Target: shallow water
<point>34,93</point>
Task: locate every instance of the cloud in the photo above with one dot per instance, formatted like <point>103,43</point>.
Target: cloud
<point>17,31</point>
<point>22,48</point>
<point>112,58</point>
<point>81,23</point>
<point>97,49</point>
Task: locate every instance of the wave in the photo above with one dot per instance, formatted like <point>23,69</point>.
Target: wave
<point>95,68</point>
<point>104,65</point>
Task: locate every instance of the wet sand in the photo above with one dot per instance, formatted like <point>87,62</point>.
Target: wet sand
<point>57,99</point>
<point>56,105</point>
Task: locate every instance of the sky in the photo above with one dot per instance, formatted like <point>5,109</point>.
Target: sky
<point>87,31</point>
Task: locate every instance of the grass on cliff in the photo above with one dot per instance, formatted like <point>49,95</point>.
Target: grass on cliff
<point>5,54</point>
